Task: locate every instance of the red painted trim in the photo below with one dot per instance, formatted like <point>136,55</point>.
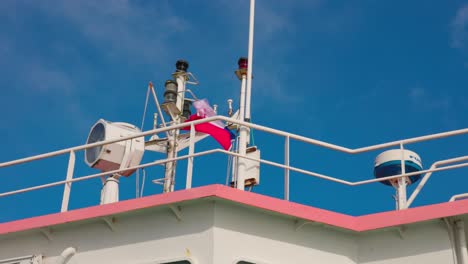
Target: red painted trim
<point>412,215</point>
<point>107,209</point>
<point>288,208</point>
<point>359,223</point>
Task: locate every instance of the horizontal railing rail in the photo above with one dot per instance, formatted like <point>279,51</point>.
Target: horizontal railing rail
<point>441,165</point>
<point>247,124</point>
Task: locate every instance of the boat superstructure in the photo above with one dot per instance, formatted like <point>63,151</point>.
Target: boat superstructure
<point>222,224</point>
<point>230,224</point>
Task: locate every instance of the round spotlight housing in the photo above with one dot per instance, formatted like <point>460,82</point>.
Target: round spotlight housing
<point>117,155</point>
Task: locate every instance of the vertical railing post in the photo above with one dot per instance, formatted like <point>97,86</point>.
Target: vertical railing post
<point>67,186</point>
<point>286,170</point>
<point>188,183</point>
<point>401,188</point>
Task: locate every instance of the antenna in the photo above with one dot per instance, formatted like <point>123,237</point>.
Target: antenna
<point>394,162</point>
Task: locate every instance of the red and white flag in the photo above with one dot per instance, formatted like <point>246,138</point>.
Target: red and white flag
<point>215,129</point>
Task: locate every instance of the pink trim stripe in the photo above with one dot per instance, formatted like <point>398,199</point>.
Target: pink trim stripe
<point>307,213</point>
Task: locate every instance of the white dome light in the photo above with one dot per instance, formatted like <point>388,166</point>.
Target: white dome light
<point>118,155</point>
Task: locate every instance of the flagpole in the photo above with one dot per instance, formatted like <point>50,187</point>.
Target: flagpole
<point>250,61</point>
<point>244,131</point>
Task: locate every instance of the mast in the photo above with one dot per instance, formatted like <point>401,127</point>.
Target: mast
<point>244,133</point>
<point>180,76</point>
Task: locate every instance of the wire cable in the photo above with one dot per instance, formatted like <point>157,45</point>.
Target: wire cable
<point>228,170</point>
<point>137,178</point>
<point>143,182</point>
<point>146,107</point>
<point>137,183</point>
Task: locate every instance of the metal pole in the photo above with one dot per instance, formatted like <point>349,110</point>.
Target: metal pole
<point>181,79</point>
<point>244,131</point>
<point>243,134</point>
<point>170,166</point>
<point>461,242</point>
<point>250,60</point>
<point>286,170</point>
<point>67,186</point>
<point>401,193</point>
<point>401,188</point>
<point>188,183</point>
<point>110,190</point>
<point>242,98</point>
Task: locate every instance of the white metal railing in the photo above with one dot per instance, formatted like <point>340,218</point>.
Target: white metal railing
<point>457,162</point>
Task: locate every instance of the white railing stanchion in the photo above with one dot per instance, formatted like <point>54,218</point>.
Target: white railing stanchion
<point>188,183</point>
<point>286,170</point>
<point>401,183</point>
<point>67,186</point>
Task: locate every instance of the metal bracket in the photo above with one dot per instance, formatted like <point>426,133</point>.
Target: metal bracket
<point>110,222</point>
<point>298,224</point>
<point>47,232</point>
<point>159,181</point>
<point>401,231</point>
<point>176,210</point>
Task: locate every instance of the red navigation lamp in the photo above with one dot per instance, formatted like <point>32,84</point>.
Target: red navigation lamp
<point>243,65</point>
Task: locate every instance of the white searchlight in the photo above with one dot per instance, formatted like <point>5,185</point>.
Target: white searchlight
<point>114,156</point>
<point>117,155</point>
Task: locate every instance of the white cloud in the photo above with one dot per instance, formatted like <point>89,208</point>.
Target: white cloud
<point>116,29</point>
<point>121,27</point>
<point>460,28</point>
<point>427,101</point>
<point>47,80</point>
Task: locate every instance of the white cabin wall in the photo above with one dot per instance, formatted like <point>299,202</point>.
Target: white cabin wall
<point>139,237</point>
<point>426,242</point>
<point>264,238</point>
<point>223,232</point>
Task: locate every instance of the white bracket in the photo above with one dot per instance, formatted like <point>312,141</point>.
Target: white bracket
<point>176,210</point>
<point>47,232</point>
<point>298,224</point>
<point>110,222</point>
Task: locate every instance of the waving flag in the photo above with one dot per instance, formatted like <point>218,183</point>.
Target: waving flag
<point>215,129</point>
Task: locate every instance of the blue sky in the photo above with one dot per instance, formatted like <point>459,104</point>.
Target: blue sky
<point>349,73</point>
